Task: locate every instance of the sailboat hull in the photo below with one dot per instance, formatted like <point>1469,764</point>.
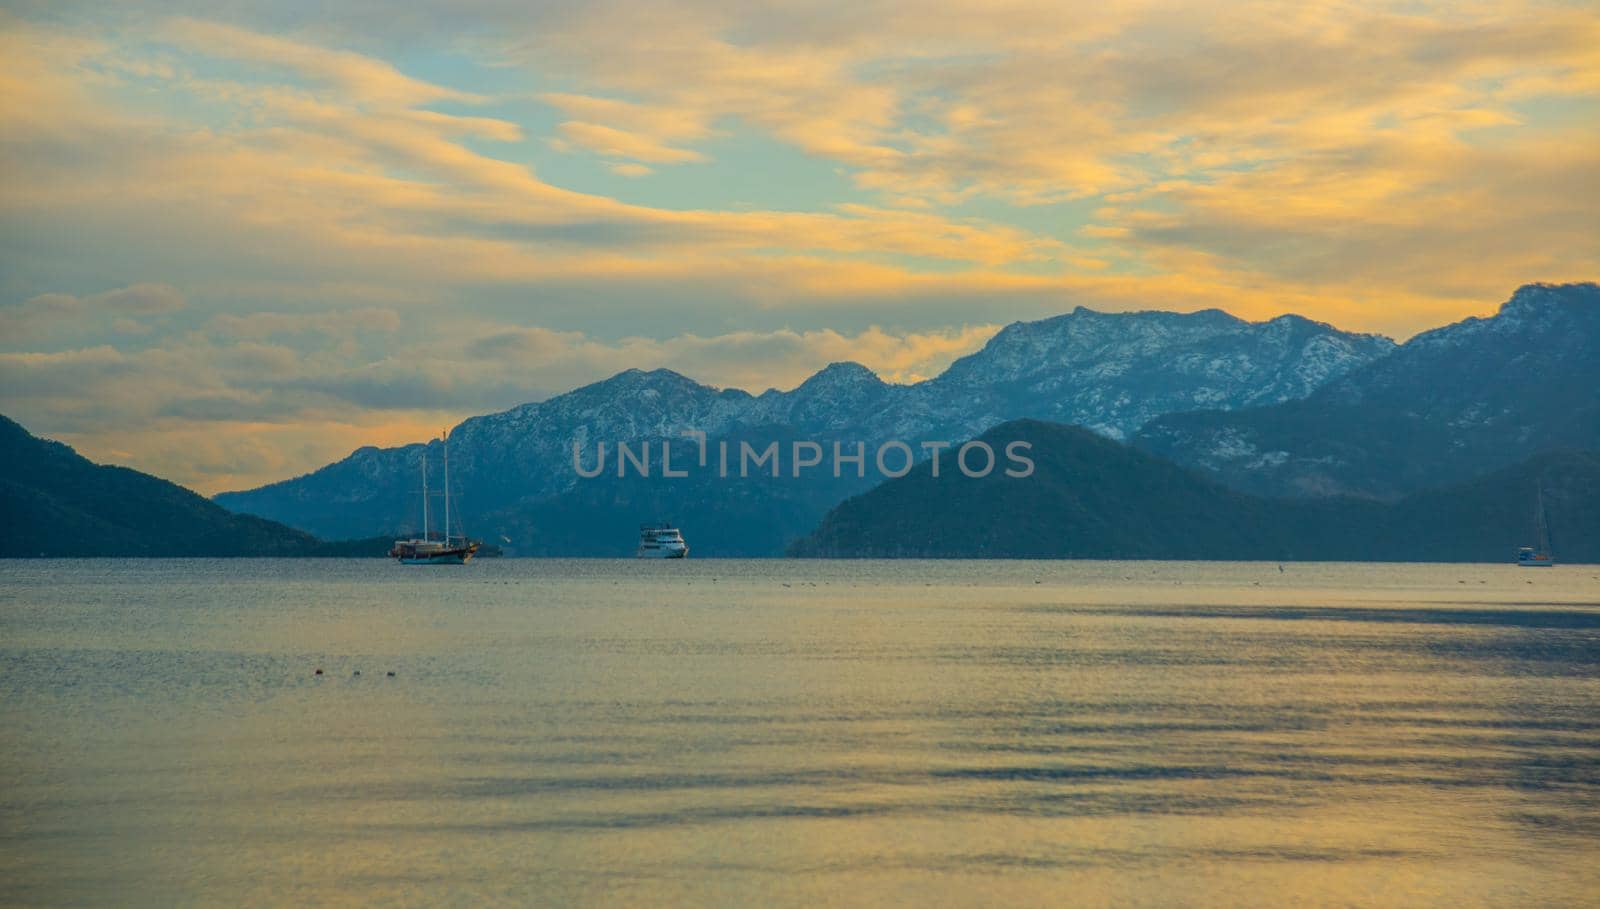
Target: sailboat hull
<point>451,557</point>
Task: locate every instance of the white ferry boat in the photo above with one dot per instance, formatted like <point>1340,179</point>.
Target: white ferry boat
<point>660,541</point>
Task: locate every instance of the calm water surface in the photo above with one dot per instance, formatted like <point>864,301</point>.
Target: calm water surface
<point>735,733</point>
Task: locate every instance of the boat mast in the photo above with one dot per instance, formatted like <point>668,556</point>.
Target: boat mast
<point>1544,523</point>
<point>447,487</point>
<point>425,530</point>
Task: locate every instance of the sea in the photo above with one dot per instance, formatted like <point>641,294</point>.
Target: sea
<point>798,733</point>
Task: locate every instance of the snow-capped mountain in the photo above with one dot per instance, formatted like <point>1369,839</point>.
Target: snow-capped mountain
<point>1111,372</point>
<point>1114,372</point>
<point>496,460</point>
<point>1449,404</point>
<point>837,398</point>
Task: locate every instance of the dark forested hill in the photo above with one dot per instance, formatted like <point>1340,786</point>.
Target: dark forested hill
<point>1090,497</point>
<point>55,502</point>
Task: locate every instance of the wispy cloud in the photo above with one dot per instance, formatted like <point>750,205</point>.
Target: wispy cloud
<point>126,310</point>
<point>355,77</point>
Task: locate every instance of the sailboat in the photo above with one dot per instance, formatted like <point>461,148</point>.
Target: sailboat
<point>448,549</point>
<point>1540,557</point>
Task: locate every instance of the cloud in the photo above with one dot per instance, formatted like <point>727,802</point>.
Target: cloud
<point>754,360</point>
<point>137,300</point>
<point>354,75</point>
<point>926,115</point>
<point>615,143</point>
<point>338,323</point>
<point>365,182</point>
<point>614,128</point>
<point>124,309</point>
<point>1398,213</point>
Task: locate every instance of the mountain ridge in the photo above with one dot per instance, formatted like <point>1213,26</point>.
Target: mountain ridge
<point>1450,403</point>
<point>1118,367</point>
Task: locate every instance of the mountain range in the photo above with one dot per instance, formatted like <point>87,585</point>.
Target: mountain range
<point>513,470</point>
<point>1198,435</point>
<point>1447,405</point>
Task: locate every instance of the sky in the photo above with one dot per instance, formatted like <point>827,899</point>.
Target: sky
<point>240,239</point>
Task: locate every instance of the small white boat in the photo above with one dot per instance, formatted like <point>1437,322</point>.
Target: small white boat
<point>1528,556</point>
<point>660,541</point>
